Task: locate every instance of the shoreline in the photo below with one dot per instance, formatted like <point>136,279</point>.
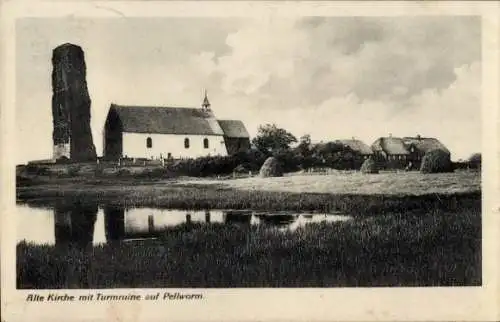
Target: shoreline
<point>208,197</point>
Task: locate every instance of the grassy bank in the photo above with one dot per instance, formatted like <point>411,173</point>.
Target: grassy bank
<point>164,195</point>
<point>382,193</point>
<point>412,249</point>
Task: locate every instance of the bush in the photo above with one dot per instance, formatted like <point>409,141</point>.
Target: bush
<point>436,161</point>
<point>252,159</point>
<point>37,170</point>
<point>369,166</point>
<point>99,171</point>
<point>289,161</point>
<point>242,168</point>
<point>63,160</point>
<point>204,166</point>
<point>475,161</point>
<point>123,173</point>
<point>271,168</point>
<point>73,170</point>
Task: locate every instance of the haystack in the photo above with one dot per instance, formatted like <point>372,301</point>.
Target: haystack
<point>369,166</point>
<point>271,168</point>
<point>436,161</point>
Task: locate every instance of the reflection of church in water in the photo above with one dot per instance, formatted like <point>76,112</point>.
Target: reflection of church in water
<point>77,224</point>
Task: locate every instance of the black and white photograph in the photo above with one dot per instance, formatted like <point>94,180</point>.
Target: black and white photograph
<point>248,152</point>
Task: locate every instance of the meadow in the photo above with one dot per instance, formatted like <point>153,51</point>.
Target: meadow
<point>412,249</point>
<point>346,192</point>
<point>354,182</point>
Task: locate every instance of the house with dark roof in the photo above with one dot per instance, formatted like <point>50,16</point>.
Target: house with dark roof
<point>407,152</point>
<point>357,146</point>
<point>155,132</point>
<point>418,146</point>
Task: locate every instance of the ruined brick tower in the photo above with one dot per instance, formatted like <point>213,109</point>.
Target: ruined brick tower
<point>72,136</point>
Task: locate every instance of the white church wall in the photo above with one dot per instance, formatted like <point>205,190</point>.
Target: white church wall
<point>135,145</point>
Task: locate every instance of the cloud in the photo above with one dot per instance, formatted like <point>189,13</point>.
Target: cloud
<point>376,58</point>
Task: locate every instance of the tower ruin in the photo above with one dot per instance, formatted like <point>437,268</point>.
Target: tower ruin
<point>72,135</point>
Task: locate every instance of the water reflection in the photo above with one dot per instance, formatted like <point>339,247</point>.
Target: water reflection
<point>80,226</point>
<point>74,225</point>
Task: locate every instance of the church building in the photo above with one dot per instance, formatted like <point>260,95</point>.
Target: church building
<point>170,133</point>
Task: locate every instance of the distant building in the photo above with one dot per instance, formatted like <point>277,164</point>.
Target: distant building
<point>357,146</point>
<point>418,146</point>
<point>407,152</point>
<point>170,132</point>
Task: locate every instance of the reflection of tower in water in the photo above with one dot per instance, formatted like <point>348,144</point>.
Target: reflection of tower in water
<point>114,223</point>
<point>74,225</point>
<point>74,234</point>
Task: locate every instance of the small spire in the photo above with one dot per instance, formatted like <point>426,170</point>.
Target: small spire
<point>206,103</point>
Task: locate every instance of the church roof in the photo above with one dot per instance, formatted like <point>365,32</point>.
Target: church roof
<point>167,120</point>
<point>234,129</point>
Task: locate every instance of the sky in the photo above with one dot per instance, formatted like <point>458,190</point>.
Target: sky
<point>329,77</point>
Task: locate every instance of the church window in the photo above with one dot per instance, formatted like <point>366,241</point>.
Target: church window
<point>149,143</point>
<point>205,143</point>
<point>186,143</point>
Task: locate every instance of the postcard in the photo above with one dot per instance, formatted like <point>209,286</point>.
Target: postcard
<point>199,160</point>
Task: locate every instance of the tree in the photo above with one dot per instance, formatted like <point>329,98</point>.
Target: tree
<point>475,161</point>
<point>270,139</point>
<point>476,158</point>
<point>305,147</point>
<point>304,152</point>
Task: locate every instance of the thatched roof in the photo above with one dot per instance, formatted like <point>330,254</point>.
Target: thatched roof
<point>234,129</point>
<point>166,120</point>
<point>357,145</point>
<point>425,145</point>
<point>390,145</point>
<point>402,146</point>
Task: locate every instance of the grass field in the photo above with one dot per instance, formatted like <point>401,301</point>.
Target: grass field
<point>410,183</point>
<point>411,249</point>
<point>338,192</point>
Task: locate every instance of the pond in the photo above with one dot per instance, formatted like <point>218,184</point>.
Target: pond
<point>99,225</point>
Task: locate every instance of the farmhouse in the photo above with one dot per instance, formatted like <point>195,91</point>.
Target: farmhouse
<point>357,146</point>
<point>400,153</point>
<point>170,132</point>
<point>418,146</point>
